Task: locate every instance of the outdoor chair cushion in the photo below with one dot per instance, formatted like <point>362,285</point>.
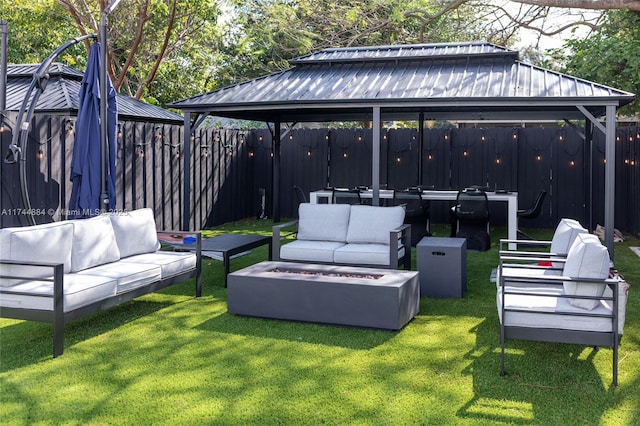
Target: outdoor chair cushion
<point>49,242</point>
<point>587,258</point>
<point>94,243</point>
<point>563,237</point>
<point>310,251</point>
<point>323,222</point>
<point>552,304</point>
<point>135,232</point>
<point>369,224</point>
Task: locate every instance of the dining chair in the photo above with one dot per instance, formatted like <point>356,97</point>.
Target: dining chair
<point>417,212</point>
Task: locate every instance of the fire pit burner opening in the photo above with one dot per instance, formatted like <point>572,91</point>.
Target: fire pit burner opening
<point>327,274</point>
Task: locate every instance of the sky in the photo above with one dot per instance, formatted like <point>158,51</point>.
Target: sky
<point>556,18</point>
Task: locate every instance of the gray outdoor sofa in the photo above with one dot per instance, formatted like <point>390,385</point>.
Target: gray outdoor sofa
<point>346,234</point>
<point>61,271</point>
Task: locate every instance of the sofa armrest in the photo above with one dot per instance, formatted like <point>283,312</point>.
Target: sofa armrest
<point>530,243</point>
<point>277,235</point>
<point>528,262</point>
<point>397,237</point>
<point>57,280</point>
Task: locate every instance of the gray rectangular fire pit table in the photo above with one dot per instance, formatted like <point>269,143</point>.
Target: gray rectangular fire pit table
<point>229,245</point>
<point>363,297</point>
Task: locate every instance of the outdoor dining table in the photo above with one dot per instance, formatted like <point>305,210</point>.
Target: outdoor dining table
<point>511,198</point>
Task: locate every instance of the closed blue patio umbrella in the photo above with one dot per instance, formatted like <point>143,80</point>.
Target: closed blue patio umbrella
<point>86,175</point>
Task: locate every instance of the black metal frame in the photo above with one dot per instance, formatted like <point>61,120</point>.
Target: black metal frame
<point>588,338</point>
<point>58,317</point>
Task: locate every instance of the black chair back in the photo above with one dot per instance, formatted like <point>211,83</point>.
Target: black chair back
<point>417,212</point>
<point>346,196</point>
<point>472,218</point>
<point>299,193</point>
<point>535,209</point>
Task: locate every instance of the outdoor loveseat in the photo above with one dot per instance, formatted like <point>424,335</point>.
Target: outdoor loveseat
<point>346,235</point>
<point>582,305</point>
<point>61,271</point>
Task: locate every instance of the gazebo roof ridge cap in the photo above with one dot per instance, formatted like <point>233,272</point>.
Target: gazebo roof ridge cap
<point>407,52</point>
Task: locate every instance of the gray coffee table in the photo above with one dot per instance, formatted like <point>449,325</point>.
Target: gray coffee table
<point>229,245</point>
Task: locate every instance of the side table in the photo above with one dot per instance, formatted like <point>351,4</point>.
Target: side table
<point>442,264</point>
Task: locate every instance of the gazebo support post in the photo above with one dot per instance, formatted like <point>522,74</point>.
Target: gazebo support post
<point>609,130</point>
<point>375,157</point>
<point>420,139</point>
<point>276,171</point>
<point>610,178</point>
<point>186,160</point>
<point>588,137</point>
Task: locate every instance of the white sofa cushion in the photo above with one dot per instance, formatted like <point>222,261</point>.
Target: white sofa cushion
<point>587,258</point>
<point>79,290</point>
<point>170,262</point>
<point>369,224</point>
<point>94,243</point>
<point>364,254</point>
<point>128,275</point>
<point>323,222</point>
<point>135,232</point>
<point>50,242</point>
<point>310,251</point>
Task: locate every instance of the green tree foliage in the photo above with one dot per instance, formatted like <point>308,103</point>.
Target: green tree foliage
<point>610,55</point>
<point>36,29</point>
<point>146,36</point>
<point>270,32</point>
<point>159,50</point>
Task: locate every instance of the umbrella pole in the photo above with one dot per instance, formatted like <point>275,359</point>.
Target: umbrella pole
<point>104,197</point>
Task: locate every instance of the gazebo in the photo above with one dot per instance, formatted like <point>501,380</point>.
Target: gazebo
<point>440,81</point>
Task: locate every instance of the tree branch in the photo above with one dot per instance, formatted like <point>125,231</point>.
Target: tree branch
<point>162,54</point>
<point>586,4</point>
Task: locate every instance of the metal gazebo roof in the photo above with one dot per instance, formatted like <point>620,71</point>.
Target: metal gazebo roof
<point>61,95</point>
<point>463,81</point>
<point>472,80</point>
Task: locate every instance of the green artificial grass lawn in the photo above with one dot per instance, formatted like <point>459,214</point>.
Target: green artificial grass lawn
<point>170,358</point>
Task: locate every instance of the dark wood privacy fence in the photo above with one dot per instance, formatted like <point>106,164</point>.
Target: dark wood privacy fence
<point>230,167</point>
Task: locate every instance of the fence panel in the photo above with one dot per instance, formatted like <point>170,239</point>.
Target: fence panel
<point>229,167</point>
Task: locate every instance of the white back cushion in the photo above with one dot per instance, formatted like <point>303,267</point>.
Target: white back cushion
<point>135,232</point>
<point>587,258</point>
<point>94,243</point>
<point>372,224</point>
<point>323,222</point>
<point>565,234</point>
<point>50,242</point>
